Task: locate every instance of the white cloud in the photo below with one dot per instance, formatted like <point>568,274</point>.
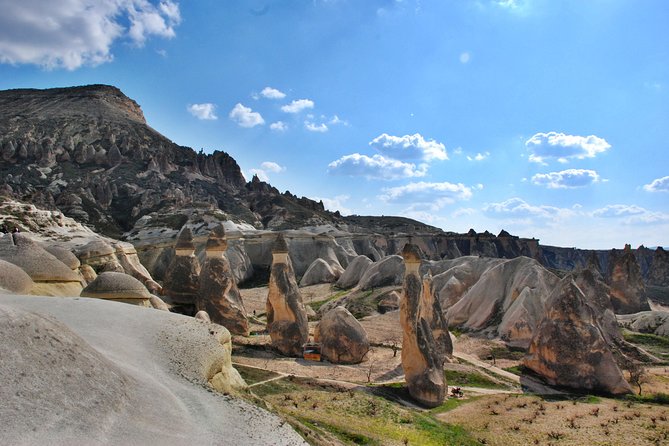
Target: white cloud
<point>478,156</point>
<point>278,126</point>
<point>272,93</point>
<point>519,208</point>
<point>204,111</point>
<point>336,121</point>
<point>566,179</point>
<point>658,185</point>
<point>271,166</point>
<point>261,174</point>
<point>409,147</point>
<point>72,33</point>
<point>465,57</point>
<point>245,117</point>
<point>463,212</point>
<point>298,105</point>
<point>375,167</point>
<point>312,127</point>
<point>336,204</point>
<point>433,195</point>
<point>631,214</point>
<point>553,145</point>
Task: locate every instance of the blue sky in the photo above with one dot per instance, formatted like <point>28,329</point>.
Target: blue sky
<point>549,119</point>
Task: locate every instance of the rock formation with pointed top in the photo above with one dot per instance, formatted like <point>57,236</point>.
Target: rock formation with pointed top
<point>182,278</point>
<point>218,294</point>
<point>431,311</point>
<point>628,292</point>
<point>422,358</point>
<point>287,322</point>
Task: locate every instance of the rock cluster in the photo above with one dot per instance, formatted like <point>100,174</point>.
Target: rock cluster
<point>354,272</point>
<point>287,322</point>
<point>120,287</point>
<point>218,294</point>
<point>343,340</point>
<point>422,357</point>
<point>182,278</point>
<point>655,322</point>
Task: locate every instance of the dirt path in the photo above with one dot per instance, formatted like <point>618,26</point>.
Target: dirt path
<point>484,365</point>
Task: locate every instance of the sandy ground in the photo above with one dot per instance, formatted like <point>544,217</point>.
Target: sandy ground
<point>158,357</point>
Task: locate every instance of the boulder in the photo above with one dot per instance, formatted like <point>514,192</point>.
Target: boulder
<point>319,272</point>
<point>422,358</point>
<point>354,272</point>
<point>628,292</point>
<point>287,321</point>
<point>13,279</point>
<point>343,340</point>
<point>218,294</point>
<point>385,272</point>
<point>182,278</point>
<point>158,304</point>
<point>568,348</point>
<point>202,316</point>
<point>389,302</point>
<point>119,287</point>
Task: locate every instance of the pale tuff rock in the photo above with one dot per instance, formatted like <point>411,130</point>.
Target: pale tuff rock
<point>286,316</point>
<point>628,292</point>
<point>118,287</point>
<point>354,272</point>
<point>568,347</point>
<point>431,311</point>
<point>203,316</point>
<point>389,302</point>
<point>422,358</point>
<point>158,304</point>
<point>13,279</point>
<point>343,340</point>
<point>182,278</point>
<point>321,272</point>
<point>218,294</point>
<point>655,322</point>
<point>387,271</point>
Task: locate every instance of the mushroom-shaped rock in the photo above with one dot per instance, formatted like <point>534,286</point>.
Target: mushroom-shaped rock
<point>202,316</point>
<point>343,340</point>
<point>64,255</point>
<point>568,348</point>
<point>88,273</point>
<point>118,287</point>
<point>422,358</point>
<point>385,272</point>
<point>628,292</point>
<point>182,278</point>
<point>95,252</point>
<point>218,294</point>
<point>354,272</point>
<point>159,304</point>
<point>318,272</point>
<point>287,322</point>
<point>389,302</point>
<point>14,279</point>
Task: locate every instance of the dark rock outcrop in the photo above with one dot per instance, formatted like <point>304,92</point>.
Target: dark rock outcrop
<point>182,278</point>
<point>343,340</point>
<point>628,292</point>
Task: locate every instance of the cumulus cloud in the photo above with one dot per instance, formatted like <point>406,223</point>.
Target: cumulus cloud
<point>336,204</point>
<point>245,117</point>
<point>79,32</point>
<point>313,127</point>
<point>204,111</point>
<point>272,93</point>
<point>265,168</point>
<point>553,145</point>
<point>409,147</point>
<point>631,214</point>
<point>375,167</point>
<point>519,208</point>
<point>566,179</point>
<point>658,185</point>
<point>434,195</point>
<point>278,126</point>
<point>478,156</point>
<point>298,105</point>
<point>335,120</point>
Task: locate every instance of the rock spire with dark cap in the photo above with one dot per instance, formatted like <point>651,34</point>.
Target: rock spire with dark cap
<point>287,322</point>
<point>182,278</point>
<point>422,357</point>
<point>218,294</point>
<point>431,310</point>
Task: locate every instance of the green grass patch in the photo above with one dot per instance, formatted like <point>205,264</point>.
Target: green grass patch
<point>252,375</point>
<point>471,379</point>
<point>362,306</point>
<point>651,398</point>
<point>646,339</point>
<point>279,386</point>
<point>516,370</point>
<point>341,434</point>
<point>316,305</point>
<point>500,352</point>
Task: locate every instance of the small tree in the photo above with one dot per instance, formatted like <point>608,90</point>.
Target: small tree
<point>637,373</point>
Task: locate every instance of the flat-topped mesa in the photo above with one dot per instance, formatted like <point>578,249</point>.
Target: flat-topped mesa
<point>287,321</point>
<point>218,294</point>
<point>422,358</point>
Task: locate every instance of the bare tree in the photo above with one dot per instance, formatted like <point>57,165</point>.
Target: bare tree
<point>637,373</point>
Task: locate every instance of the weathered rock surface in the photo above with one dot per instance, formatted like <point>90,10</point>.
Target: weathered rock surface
<point>343,340</point>
<point>120,287</point>
<point>568,348</point>
<point>387,271</point>
<point>628,292</point>
<point>655,322</point>
<point>72,368</point>
<point>458,276</point>
<point>431,311</point>
<point>354,272</point>
<point>320,272</point>
<point>182,278</point>
<point>659,269</point>
<point>13,279</point>
<point>389,302</point>
<point>218,294</point>
<point>287,322</point>
<point>422,358</point>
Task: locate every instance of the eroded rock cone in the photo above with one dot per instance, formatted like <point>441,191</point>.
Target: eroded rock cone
<point>422,358</point>
<point>628,292</point>
<point>286,316</point>
<point>568,348</point>
<point>218,294</point>
<point>182,278</point>
<point>343,339</point>
<point>431,311</point>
